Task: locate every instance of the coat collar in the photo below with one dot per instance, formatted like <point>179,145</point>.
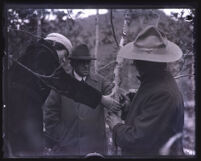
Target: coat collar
<point>89,78</point>
<point>78,77</point>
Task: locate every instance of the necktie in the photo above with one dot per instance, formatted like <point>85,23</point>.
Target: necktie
<point>82,80</point>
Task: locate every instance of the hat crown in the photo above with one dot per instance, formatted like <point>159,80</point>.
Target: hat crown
<point>59,38</point>
<point>150,38</point>
<point>81,52</point>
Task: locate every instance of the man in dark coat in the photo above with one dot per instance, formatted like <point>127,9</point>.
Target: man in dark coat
<point>25,93</point>
<point>76,128</point>
<point>157,112</point>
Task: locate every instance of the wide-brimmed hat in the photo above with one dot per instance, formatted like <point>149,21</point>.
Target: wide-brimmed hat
<point>81,52</point>
<point>59,38</point>
<point>151,45</point>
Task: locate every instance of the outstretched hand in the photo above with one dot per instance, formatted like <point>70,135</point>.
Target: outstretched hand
<point>110,103</point>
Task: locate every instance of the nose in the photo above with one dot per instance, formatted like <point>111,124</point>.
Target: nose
<point>86,64</point>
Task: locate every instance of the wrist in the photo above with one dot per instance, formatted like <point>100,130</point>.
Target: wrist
<point>105,101</point>
<point>117,124</point>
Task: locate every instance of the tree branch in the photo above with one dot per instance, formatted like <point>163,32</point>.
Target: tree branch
<point>112,62</point>
<point>182,66</point>
<point>186,75</point>
<point>26,32</point>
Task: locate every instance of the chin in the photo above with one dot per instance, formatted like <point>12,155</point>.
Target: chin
<point>85,74</point>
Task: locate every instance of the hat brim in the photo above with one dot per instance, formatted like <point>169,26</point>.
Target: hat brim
<point>82,58</point>
<point>170,53</point>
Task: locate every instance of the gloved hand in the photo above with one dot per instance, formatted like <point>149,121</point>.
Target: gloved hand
<point>110,103</point>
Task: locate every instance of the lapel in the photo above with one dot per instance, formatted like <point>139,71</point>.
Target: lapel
<point>92,81</point>
<point>81,109</point>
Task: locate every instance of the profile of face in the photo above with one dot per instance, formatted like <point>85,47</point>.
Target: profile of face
<point>63,59</point>
<point>82,67</point>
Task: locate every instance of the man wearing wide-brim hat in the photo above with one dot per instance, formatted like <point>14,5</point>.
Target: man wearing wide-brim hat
<point>157,112</point>
<point>79,129</point>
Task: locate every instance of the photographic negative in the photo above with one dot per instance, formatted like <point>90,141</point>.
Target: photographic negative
<point>49,112</point>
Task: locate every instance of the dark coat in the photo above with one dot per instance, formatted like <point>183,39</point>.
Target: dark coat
<point>24,95</point>
<point>155,114</point>
<point>76,128</point>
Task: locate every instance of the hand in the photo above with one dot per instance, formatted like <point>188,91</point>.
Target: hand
<point>113,120</point>
<point>110,103</point>
<point>124,100</point>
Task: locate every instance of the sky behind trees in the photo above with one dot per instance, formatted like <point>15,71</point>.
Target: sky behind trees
<point>87,12</point>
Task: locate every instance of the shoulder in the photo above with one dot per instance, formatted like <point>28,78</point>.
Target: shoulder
<point>164,97</point>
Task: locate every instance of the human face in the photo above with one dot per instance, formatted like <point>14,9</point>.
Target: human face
<point>82,67</point>
<point>137,70</point>
<point>63,59</point>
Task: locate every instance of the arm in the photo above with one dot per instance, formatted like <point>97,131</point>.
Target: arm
<point>153,122</point>
<point>66,85</point>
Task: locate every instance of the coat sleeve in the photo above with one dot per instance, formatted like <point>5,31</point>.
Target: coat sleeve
<point>154,119</point>
<point>80,92</point>
<point>54,127</point>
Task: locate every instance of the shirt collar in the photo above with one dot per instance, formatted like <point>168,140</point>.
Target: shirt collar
<point>78,77</point>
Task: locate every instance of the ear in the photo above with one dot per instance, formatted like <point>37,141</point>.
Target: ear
<point>53,43</point>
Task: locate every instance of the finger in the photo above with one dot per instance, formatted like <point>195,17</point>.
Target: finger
<point>108,121</point>
<point>115,110</point>
<point>112,115</point>
<point>124,96</point>
<point>107,118</point>
<point>121,99</point>
<point>117,104</point>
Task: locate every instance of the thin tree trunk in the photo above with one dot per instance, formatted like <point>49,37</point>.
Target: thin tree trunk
<point>97,40</point>
<point>119,60</point>
<point>118,68</point>
<point>39,23</point>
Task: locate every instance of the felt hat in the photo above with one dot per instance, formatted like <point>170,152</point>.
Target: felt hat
<point>81,52</point>
<point>151,45</point>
